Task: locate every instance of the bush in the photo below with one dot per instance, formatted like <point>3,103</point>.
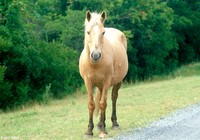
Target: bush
<point>151,41</point>
<point>41,39</point>
<point>5,88</point>
<point>53,64</point>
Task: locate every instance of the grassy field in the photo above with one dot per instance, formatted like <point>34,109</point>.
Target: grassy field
<point>138,105</point>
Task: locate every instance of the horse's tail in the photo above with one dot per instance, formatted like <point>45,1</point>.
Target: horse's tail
<point>97,102</point>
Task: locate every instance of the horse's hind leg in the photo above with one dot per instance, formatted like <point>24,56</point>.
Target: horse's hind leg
<point>114,100</point>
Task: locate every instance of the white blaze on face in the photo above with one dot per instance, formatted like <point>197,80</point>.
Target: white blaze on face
<point>95,51</point>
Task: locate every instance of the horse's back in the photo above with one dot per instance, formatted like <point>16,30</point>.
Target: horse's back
<point>115,35</point>
<point>118,43</point>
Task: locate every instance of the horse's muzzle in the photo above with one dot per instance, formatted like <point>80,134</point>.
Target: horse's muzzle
<point>95,56</point>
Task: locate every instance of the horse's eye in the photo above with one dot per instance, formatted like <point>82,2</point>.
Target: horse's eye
<point>88,32</point>
<point>103,32</point>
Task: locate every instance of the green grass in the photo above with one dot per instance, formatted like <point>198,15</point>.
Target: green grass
<point>138,105</point>
<point>183,71</point>
<point>188,70</point>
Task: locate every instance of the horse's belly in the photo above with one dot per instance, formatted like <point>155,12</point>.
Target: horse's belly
<point>119,73</point>
<point>118,44</point>
<point>120,68</point>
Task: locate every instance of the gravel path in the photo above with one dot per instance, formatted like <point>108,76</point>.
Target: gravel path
<point>181,125</point>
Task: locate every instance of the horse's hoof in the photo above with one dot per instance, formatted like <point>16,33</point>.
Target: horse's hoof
<point>99,126</point>
<point>115,127</point>
<point>103,135</point>
<point>88,135</point>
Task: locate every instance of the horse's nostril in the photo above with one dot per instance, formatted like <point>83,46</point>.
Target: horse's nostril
<point>99,55</point>
<point>95,56</point>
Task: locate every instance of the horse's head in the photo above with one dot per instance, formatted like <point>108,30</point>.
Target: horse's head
<point>94,32</point>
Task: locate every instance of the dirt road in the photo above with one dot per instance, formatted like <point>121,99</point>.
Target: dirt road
<point>181,125</point>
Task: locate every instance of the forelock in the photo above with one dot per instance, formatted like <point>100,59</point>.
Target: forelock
<point>95,20</point>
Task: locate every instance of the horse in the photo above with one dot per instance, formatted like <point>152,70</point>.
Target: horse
<point>103,63</point>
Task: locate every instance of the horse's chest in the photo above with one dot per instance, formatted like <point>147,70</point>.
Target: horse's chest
<point>98,76</point>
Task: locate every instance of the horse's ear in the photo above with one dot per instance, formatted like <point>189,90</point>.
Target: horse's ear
<point>88,15</point>
<point>103,16</point>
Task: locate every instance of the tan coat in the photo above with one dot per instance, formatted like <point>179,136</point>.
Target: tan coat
<point>103,63</point>
<point>113,66</point>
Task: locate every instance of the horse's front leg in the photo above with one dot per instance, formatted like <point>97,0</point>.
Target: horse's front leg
<point>103,105</point>
<point>91,107</point>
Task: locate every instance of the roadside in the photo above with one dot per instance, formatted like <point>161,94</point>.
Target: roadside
<point>181,125</point>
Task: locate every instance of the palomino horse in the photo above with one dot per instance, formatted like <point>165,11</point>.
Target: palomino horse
<point>103,63</point>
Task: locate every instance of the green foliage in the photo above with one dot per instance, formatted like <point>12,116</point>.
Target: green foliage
<point>2,72</point>
<point>33,64</point>
<point>44,7</point>
<point>67,29</point>
<point>93,5</point>
<point>186,26</point>
<point>5,88</point>
<point>73,31</point>
<point>5,45</point>
<point>53,64</point>
<point>40,42</point>
<point>148,24</point>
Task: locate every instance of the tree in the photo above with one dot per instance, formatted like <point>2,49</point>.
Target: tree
<point>73,29</point>
<point>186,25</point>
<point>44,7</point>
<point>147,24</point>
<point>34,64</point>
<point>40,42</point>
<point>51,64</point>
